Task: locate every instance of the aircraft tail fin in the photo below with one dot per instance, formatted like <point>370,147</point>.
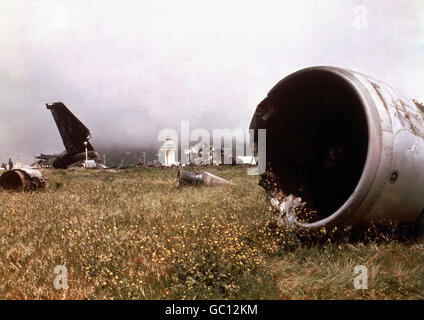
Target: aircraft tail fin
<point>73,132</point>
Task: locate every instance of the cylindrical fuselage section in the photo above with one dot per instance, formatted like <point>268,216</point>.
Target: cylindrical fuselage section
<point>22,179</point>
<point>190,177</point>
<point>352,147</point>
<point>197,178</point>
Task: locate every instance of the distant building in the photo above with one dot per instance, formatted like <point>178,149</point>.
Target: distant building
<point>168,153</point>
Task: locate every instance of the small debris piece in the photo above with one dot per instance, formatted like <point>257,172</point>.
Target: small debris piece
<point>200,178</point>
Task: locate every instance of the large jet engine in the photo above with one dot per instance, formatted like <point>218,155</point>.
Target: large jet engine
<point>351,147</point>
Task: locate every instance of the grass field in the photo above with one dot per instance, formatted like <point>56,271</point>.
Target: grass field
<point>133,234</point>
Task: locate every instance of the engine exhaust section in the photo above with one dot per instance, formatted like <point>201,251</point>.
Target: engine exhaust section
<point>349,146</point>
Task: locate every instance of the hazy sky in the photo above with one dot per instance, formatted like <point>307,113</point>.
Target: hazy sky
<point>128,69</point>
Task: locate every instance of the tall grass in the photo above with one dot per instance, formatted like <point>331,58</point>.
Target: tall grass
<point>133,234</point>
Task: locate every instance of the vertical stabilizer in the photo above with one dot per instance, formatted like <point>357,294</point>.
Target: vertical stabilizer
<point>73,132</point>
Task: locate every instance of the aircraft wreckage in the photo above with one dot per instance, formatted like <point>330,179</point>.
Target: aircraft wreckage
<point>75,136</point>
<point>23,178</point>
<point>342,149</point>
<point>200,178</point>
